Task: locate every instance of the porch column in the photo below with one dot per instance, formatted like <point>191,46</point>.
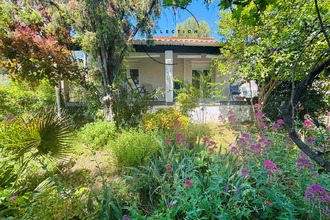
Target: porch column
<point>169,76</point>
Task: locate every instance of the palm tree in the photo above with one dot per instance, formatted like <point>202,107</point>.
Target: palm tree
<point>26,139</point>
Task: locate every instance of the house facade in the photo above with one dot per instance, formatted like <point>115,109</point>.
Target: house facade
<point>155,67</point>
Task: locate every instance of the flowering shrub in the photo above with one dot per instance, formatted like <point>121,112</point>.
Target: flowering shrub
<point>166,120</point>
<point>318,198</point>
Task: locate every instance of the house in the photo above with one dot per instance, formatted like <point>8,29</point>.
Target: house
<point>155,67</point>
<point>169,57</point>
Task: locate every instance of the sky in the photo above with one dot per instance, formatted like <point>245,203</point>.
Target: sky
<point>201,11</point>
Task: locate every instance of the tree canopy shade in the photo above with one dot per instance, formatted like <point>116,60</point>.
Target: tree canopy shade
<point>267,52</point>
<point>105,30</point>
<point>288,40</point>
<point>32,42</point>
<point>192,28</point>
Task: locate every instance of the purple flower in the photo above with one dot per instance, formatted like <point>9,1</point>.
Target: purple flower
<point>275,126</point>
<point>245,135</point>
<point>271,169</point>
<point>261,124</point>
<point>245,172</point>
<point>9,117</point>
<point>288,139</point>
<point>310,140</point>
<point>304,163</point>
<point>269,164</point>
<point>318,198</point>
<point>280,121</point>
<point>259,116</point>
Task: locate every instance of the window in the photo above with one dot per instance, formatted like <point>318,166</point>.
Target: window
<point>196,77</point>
<point>134,74</point>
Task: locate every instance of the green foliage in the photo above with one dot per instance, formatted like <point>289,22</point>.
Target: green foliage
<point>133,148</point>
<point>196,131</point>
<point>190,28</point>
<point>105,30</point>
<point>187,101</point>
<point>17,99</point>
<point>201,89</point>
<point>129,107</point>
<point>204,182</point>
<point>313,102</point>
<point>165,120</point>
<point>30,58</point>
<point>29,139</point>
<point>97,134</point>
<point>109,205</point>
<point>266,52</point>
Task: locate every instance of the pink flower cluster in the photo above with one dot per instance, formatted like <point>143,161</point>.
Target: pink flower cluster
<point>247,147</point>
<point>267,203</point>
<point>318,198</point>
<point>231,118</point>
<point>180,139</point>
<point>257,107</point>
<point>177,125</point>
<point>276,127</point>
<point>271,169</point>
<point>188,184</point>
<point>260,118</point>
<point>168,141</point>
<point>310,140</point>
<point>169,169</point>
<point>304,164</point>
<point>210,144</point>
<point>308,125</point>
<point>245,172</point>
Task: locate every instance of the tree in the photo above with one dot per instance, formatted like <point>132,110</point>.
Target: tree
<point>33,39</point>
<point>319,55</point>
<point>192,28</point>
<point>32,43</point>
<point>266,51</point>
<point>105,30</point>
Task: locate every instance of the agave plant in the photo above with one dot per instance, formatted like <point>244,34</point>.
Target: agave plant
<point>43,135</point>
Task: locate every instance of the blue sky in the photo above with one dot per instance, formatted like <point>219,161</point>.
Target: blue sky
<point>168,19</point>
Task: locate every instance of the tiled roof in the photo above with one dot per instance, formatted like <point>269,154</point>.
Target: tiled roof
<point>185,39</point>
<point>180,41</point>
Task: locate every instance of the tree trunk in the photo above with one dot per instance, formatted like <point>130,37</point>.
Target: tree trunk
<point>287,112</point>
<point>58,99</point>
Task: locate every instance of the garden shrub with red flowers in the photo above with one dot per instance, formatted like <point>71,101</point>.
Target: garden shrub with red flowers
<point>263,176</point>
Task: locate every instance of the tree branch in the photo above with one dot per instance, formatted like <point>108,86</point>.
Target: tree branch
<point>321,23</point>
<point>287,109</point>
<point>138,26</point>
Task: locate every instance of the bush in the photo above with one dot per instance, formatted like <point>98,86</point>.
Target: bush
<point>165,120</point>
<point>133,148</point>
<point>97,134</point>
<point>16,100</point>
<point>263,176</point>
<point>197,131</point>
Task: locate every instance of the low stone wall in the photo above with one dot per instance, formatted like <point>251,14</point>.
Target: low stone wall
<point>211,112</point>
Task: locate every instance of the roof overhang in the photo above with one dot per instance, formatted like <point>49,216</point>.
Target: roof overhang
<point>177,47</point>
